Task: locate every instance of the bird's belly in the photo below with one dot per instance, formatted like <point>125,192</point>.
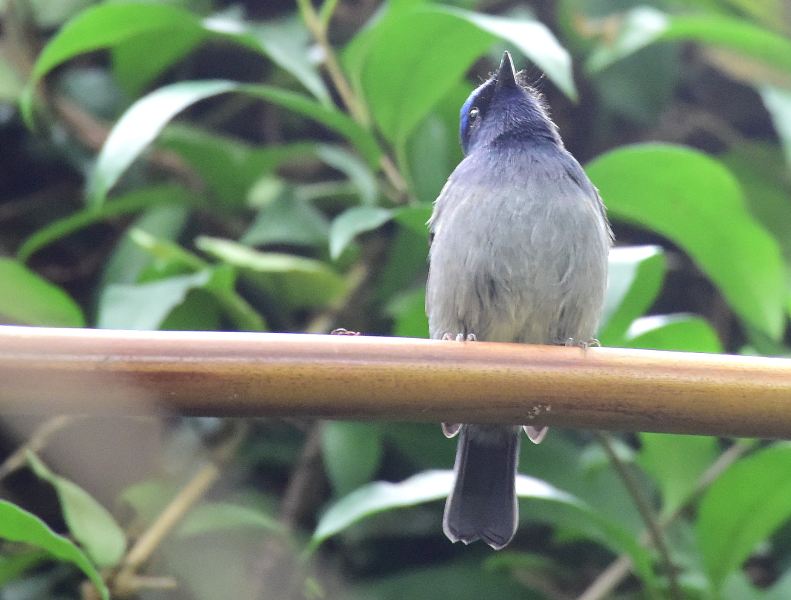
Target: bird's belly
<point>527,280</point>
<point>524,300</point>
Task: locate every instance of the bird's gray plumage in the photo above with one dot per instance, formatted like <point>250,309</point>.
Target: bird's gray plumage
<point>519,254</point>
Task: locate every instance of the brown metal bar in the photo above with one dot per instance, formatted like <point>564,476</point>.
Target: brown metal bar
<point>56,371</point>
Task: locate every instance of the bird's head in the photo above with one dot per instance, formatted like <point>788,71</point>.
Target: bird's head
<point>503,108</point>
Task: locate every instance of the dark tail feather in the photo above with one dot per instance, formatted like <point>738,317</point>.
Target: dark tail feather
<point>482,504</point>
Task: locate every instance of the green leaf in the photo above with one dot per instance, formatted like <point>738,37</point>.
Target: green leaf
<point>424,487</point>
<point>222,285</point>
<point>176,302</point>
<point>103,26</point>
<point>643,26</point>
<point>433,150</point>
<point>287,42</point>
<point>639,87</point>
<point>762,174</point>
<point>27,299</point>
<point>778,103</point>
<point>145,306</point>
<point>676,463</point>
<point>736,585</point>
<point>128,261</point>
<point>288,220</point>
<point>301,282</point>
<point>634,279</point>
<point>169,256</point>
<point>200,311</point>
<point>352,453</point>
<point>143,121</point>
<point>781,589</point>
<point>359,174</point>
<point>135,201</point>
<point>409,311</point>
<point>136,67</point>
<point>743,507</point>
<point>14,566</point>
<point>138,127</point>
<point>679,333</point>
<point>534,40</point>
<point>131,27</point>
<point>411,59</point>
<point>406,260</point>
<point>229,166</point>
<point>512,560</point>
<point>460,579</point>
<point>353,222</point>
<point>17,525</point>
<point>148,498</point>
<point>415,218</point>
<point>430,486</point>
<point>224,516</point>
<point>88,521</point>
<point>695,202</point>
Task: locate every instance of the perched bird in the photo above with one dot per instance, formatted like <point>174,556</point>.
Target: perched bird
<point>519,245</point>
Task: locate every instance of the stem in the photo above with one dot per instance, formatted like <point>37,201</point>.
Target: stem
<point>609,579</point>
<point>35,443</point>
<point>317,25</point>
<point>145,546</point>
<point>126,581</point>
<point>326,11</point>
<point>392,173</point>
<point>318,29</point>
<point>646,511</point>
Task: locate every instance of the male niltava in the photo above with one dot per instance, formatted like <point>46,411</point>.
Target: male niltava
<point>519,245</point>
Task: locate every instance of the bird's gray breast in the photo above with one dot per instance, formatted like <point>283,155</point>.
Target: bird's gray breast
<point>519,251</point>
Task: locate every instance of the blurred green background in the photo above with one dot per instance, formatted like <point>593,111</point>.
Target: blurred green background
<point>269,166</point>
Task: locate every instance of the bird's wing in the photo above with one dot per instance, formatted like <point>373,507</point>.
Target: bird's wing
<point>577,174</point>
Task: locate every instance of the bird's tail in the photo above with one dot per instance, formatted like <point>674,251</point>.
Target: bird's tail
<point>482,504</point>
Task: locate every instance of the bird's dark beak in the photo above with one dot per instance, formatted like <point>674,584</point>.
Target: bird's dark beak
<point>506,75</point>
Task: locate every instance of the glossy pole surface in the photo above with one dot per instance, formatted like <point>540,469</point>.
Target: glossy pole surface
<point>55,371</point>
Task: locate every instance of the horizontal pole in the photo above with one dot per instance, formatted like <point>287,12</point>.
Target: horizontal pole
<point>65,371</point>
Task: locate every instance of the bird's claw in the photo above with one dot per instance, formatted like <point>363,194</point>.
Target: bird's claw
<point>343,331</point>
<point>591,343</point>
<point>460,337</point>
<point>451,429</point>
<point>535,434</point>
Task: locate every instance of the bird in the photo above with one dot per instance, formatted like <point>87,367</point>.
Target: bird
<point>518,249</point>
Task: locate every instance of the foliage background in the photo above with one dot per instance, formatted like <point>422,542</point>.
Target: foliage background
<point>270,166</point>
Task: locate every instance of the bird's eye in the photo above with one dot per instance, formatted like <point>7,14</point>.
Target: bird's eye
<point>474,114</point>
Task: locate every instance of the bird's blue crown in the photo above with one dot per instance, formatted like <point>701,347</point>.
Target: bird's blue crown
<point>504,108</point>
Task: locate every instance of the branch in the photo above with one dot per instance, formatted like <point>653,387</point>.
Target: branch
<point>609,579</point>
<point>399,379</point>
<point>126,581</point>
<point>646,512</point>
<point>353,103</point>
<point>38,440</point>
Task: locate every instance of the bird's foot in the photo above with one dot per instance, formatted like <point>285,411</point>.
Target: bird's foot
<point>451,429</point>
<point>460,337</point>
<point>343,331</point>
<point>535,434</point>
<point>591,343</point>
